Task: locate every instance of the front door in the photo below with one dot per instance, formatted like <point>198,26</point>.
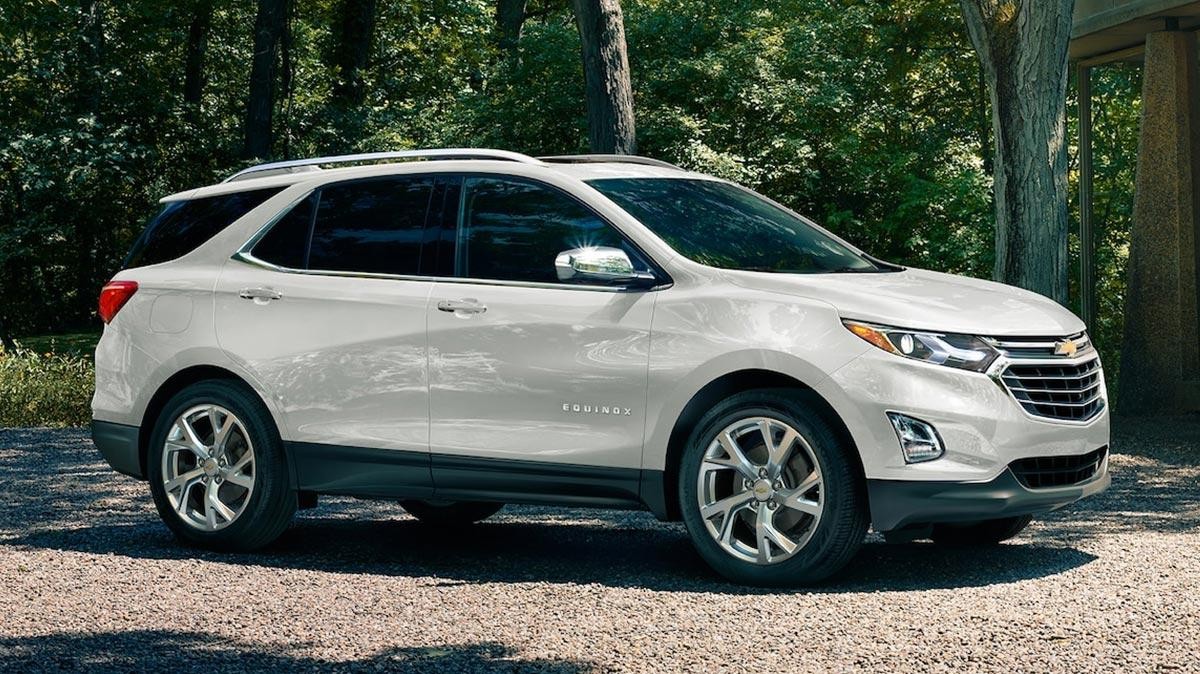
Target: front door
<point>541,380</point>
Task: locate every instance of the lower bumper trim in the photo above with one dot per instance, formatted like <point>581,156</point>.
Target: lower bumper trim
<point>118,444</point>
<point>896,503</point>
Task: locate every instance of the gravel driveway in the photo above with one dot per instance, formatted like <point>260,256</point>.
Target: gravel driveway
<point>92,581</point>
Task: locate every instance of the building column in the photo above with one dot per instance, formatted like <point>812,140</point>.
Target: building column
<point>1160,357</point>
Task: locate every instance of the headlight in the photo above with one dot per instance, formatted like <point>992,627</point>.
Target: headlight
<point>965,352</point>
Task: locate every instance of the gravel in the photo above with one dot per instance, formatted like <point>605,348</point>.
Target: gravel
<point>91,580</point>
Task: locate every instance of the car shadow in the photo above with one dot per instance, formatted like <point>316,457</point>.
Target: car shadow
<point>586,549</point>
<point>162,650</point>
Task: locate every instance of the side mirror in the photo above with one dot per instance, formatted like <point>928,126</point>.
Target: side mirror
<point>599,265</point>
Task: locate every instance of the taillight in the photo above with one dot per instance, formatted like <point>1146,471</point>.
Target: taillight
<point>113,296</point>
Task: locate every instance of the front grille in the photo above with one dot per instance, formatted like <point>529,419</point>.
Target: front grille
<point>1058,471</point>
<point>1039,347</point>
<point>1053,391</point>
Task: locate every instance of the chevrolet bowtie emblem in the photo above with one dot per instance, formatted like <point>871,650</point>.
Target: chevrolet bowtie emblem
<point>1067,348</point>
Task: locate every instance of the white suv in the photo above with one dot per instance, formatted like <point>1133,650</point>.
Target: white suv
<point>459,329</point>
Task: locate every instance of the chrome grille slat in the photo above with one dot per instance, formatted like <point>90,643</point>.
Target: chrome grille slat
<point>1085,389</point>
<point>1063,403</point>
<point>1052,386</point>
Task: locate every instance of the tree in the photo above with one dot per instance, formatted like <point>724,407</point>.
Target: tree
<point>269,26</point>
<point>606,76</point>
<point>510,18</point>
<point>1022,48</point>
<point>352,51</point>
<point>197,48</point>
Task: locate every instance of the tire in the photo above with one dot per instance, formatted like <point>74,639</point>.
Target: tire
<point>256,490</point>
<point>823,541</point>
<point>987,532</point>
<point>451,513</point>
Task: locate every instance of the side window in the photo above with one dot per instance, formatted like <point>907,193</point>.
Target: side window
<point>183,226</point>
<point>512,230</point>
<point>375,226</point>
<point>286,244</point>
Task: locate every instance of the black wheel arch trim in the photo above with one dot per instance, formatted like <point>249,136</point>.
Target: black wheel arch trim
<point>118,444</point>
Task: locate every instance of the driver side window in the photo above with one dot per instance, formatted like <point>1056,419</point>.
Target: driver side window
<point>513,229</point>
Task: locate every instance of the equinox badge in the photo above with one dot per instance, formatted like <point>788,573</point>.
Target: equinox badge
<point>614,410</point>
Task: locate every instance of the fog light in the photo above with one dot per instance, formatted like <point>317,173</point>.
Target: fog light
<point>918,440</point>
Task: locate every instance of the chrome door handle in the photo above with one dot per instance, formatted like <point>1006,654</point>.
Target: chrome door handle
<point>259,294</point>
<point>463,306</point>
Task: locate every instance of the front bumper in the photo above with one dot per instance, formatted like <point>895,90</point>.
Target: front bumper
<point>118,444</point>
<point>982,426</point>
<point>896,504</point>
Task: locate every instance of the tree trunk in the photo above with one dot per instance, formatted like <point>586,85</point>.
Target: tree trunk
<point>197,48</point>
<point>260,104</point>
<point>352,52</point>
<point>6,338</point>
<point>1022,46</point>
<point>88,52</point>
<point>510,18</point>
<point>606,76</point>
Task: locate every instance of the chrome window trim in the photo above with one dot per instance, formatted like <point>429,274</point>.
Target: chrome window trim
<point>245,257</point>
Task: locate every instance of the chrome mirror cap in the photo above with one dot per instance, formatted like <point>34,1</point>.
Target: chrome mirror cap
<point>598,264</point>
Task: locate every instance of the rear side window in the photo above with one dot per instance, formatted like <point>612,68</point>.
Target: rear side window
<point>182,226</point>
<point>375,226</point>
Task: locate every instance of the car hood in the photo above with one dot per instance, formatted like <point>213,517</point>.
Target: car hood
<point>926,300</point>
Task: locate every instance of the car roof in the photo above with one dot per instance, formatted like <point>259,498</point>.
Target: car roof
<point>580,167</point>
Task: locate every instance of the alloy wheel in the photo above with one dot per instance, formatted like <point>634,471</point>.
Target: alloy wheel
<point>761,492</point>
<point>208,467</point>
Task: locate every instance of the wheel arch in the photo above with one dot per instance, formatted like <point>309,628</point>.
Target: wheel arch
<point>660,489</point>
<point>173,385</point>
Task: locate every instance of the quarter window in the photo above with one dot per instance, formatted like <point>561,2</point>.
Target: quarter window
<point>512,230</point>
<point>375,226</point>
<point>286,245</point>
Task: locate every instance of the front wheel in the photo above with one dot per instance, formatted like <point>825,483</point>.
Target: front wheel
<point>217,470</point>
<point>987,532</point>
<point>768,491</point>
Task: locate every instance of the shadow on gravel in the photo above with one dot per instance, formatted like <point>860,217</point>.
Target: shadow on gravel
<point>659,559</point>
<point>159,650</point>
<point>60,495</point>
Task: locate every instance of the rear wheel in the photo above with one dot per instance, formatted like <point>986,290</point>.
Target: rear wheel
<point>451,513</point>
<point>987,532</point>
<point>217,470</point>
<point>768,493</point>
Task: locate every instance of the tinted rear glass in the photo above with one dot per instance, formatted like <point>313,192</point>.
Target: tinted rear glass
<point>182,226</point>
<point>375,226</point>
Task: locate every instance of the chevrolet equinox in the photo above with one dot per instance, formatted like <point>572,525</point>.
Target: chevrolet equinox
<point>459,329</point>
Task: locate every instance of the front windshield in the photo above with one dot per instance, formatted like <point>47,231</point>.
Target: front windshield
<point>723,225</point>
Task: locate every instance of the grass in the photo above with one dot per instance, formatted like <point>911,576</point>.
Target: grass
<point>78,344</point>
<point>48,380</point>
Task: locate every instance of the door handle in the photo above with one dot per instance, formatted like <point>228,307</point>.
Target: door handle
<point>259,294</point>
<point>468,305</point>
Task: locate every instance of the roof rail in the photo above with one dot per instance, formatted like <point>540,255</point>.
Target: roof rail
<point>313,164</point>
<point>605,158</point>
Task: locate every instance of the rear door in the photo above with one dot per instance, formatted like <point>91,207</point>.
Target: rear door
<point>327,310</point>
<point>536,385</point>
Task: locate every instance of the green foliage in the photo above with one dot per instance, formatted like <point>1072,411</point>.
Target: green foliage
<point>868,115</point>
<point>44,389</point>
<point>1116,112</point>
